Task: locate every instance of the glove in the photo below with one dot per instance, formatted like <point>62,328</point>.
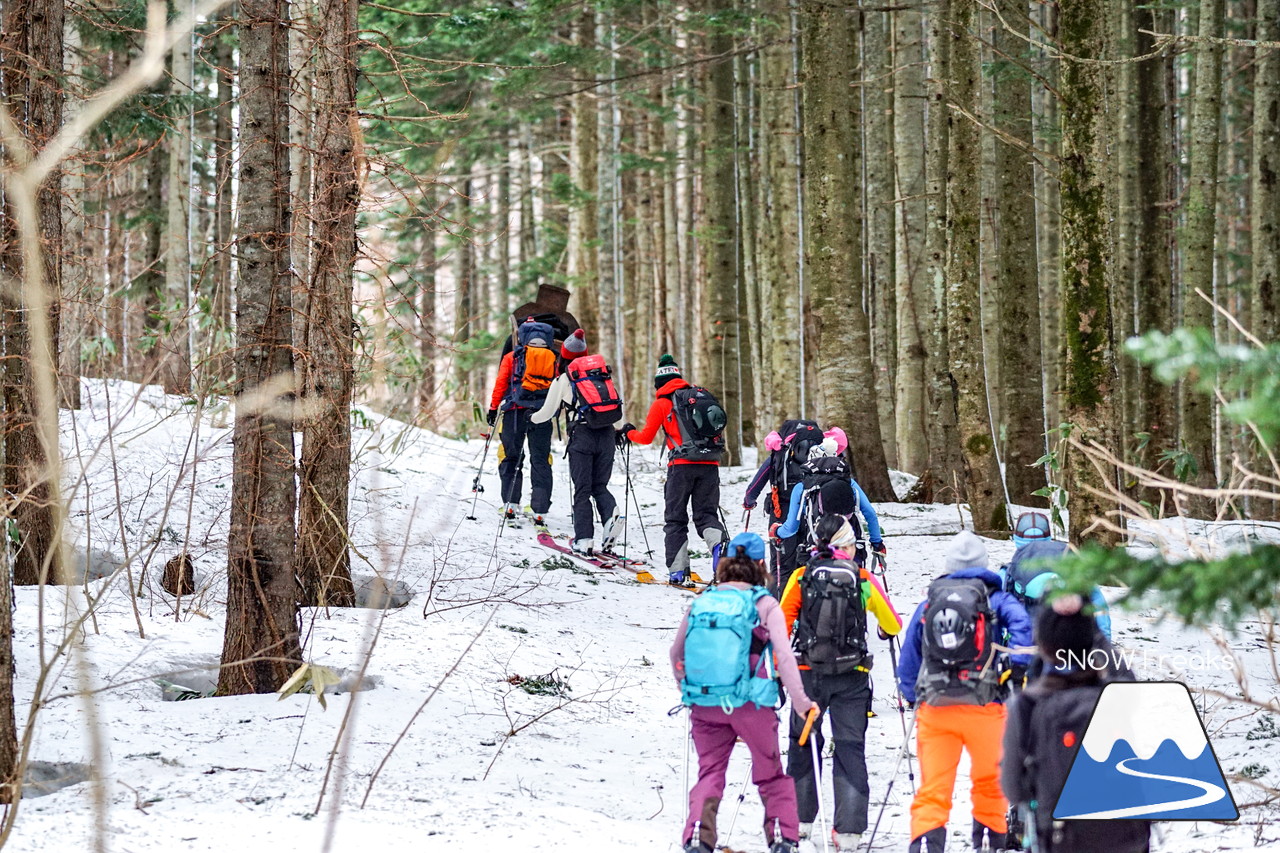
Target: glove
<point>620,439</point>
<point>773,532</point>
<point>748,504</point>
<point>880,632</point>
<point>879,548</point>
<point>492,417</point>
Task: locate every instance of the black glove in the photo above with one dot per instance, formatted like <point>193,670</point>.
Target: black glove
<point>880,632</point>
<point>748,504</point>
<point>492,417</point>
<point>620,439</point>
<point>879,548</point>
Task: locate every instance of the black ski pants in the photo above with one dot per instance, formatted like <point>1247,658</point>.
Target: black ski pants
<point>514,432</point>
<point>590,466</point>
<point>845,699</point>
<point>696,486</point>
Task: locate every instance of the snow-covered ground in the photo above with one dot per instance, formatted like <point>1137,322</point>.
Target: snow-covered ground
<point>601,767</point>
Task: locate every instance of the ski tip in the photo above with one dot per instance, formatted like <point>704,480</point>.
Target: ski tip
<point>644,577</point>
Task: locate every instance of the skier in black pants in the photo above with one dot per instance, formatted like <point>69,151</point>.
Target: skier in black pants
<point>690,481</point>
<point>524,376</point>
<point>586,389</point>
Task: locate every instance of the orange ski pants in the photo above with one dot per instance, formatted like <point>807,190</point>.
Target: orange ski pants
<point>941,733</point>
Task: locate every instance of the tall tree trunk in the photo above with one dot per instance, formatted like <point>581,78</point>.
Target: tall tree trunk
<point>31,64</point>
<point>464,292</point>
<point>1022,371</point>
<point>1089,375</point>
<point>584,235</point>
<point>175,354</point>
<point>1044,111</point>
<point>914,302</point>
<point>964,306</point>
<point>716,230</point>
<point>220,297</point>
<point>1266,177</point>
<point>833,223</point>
<point>261,645</point>
<point>780,219</point>
<point>303,29</point>
<point>877,94</point>
<point>324,562</point>
<point>78,259</point>
<point>745,176</point>
<point>1198,244</point>
<point>427,402</point>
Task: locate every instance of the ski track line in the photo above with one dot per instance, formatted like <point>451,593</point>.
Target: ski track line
<point>1212,793</point>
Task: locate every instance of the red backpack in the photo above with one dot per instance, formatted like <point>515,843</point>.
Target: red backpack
<point>594,395</point>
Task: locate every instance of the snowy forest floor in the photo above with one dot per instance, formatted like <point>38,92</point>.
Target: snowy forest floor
<point>600,767</point>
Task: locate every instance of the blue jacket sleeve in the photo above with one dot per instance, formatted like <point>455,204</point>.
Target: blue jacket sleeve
<point>1101,612</point>
<point>763,476</point>
<point>909,660</point>
<point>869,513</point>
<point>1016,624</point>
<point>792,525</point>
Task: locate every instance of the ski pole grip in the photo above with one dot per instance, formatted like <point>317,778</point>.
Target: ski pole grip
<point>808,725</point>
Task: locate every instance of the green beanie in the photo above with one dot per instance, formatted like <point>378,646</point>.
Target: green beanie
<point>667,370</point>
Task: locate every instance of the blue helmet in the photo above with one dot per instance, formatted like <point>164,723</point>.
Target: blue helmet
<point>1031,527</point>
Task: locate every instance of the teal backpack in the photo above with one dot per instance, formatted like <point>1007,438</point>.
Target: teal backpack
<point>728,660</point>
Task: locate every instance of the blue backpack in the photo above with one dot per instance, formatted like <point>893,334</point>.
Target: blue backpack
<point>728,660</point>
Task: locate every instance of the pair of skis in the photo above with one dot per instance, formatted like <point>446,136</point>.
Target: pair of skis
<point>608,561</point>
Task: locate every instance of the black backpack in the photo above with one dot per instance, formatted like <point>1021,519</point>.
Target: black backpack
<point>827,490</point>
<point>831,630</point>
<point>957,645</point>
<point>788,462</point>
<point>1054,723</point>
<point>702,421</point>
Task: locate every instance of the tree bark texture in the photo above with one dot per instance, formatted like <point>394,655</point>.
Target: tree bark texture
<point>1022,361</point>
<point>913,302</point>
<point>833,224</point>
<point>1266,177</point>
<point>328,374</point>
<point>964,305</point>
<point>261,646</point>
<point>584,234</point>
<point>175,354</point>
<point>1089,374</point>
<point>1197,432</point>
<point>31,64</point>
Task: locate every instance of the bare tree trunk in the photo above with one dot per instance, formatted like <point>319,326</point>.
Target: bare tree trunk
<point>1266,177</point>
<point>175,355</point>
<point>1198,245</point>
<point>220,299</point>
<point>1044,103</point>
<point>780,218</point>
<point>833,225</point>
<point>877,94</point>
<point>464,292</point>
<point>914,302</point>
<point>748,279</point>
<point>30,58</point>
<point>1022,371</point>
<point>324,562</point>
<point>1090,373</point>
<point>584,235</point>
<point>427,390</point>
<point>77,239</point>
<point>964,307</point>
<point>716,229</point>
<point>261,645</point>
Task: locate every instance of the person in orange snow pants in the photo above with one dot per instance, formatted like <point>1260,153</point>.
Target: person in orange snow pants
<point>942,733</point>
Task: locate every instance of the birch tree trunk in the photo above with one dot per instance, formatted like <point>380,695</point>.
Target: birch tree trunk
<point>1197,409</point>
<point>1089,376</point>
<point>261,646</point>
<point>964,305</point>
<point>78,260</point>
<point>328,375</point>
<point>175,353</point>
<point>833,225</point>
<point>914,303</point>
<point>1022,370</point>
<point>220,299</point>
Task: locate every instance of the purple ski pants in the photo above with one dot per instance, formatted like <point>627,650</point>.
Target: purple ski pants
<point>714,733</point>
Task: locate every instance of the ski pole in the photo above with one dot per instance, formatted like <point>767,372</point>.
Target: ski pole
<point>746,520</point>
<point>906,748</point>
<point>817,774</point>
<point>476,488</point>
<point>902,707</point>
<point>742,795</point>
<point>631,487</point>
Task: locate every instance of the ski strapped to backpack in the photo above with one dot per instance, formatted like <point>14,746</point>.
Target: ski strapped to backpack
<point>831,630</point>
<point>728,659</point>
<point>957,645</point>
<point>595,397</point>
<point>702,421</point>
<point>533,365</point>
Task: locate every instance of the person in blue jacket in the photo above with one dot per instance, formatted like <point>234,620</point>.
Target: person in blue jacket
<point>1030,575</point>
<point>977,726</point>
<point>799,504</point>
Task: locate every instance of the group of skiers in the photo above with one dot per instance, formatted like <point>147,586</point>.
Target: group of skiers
<point>794,612</point>
<point>968,649</point>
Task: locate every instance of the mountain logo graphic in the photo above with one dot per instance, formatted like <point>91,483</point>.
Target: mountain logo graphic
<point>1145,754</point>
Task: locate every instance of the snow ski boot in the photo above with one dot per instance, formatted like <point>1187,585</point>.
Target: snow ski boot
<point>585,547</point>
<point>847,841</point>
<point>782,845</point>
<point>609,534</point>
<point>933,841</point>
<point>509,512</point>
<point>994,840</point>
<point>681,579</point>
